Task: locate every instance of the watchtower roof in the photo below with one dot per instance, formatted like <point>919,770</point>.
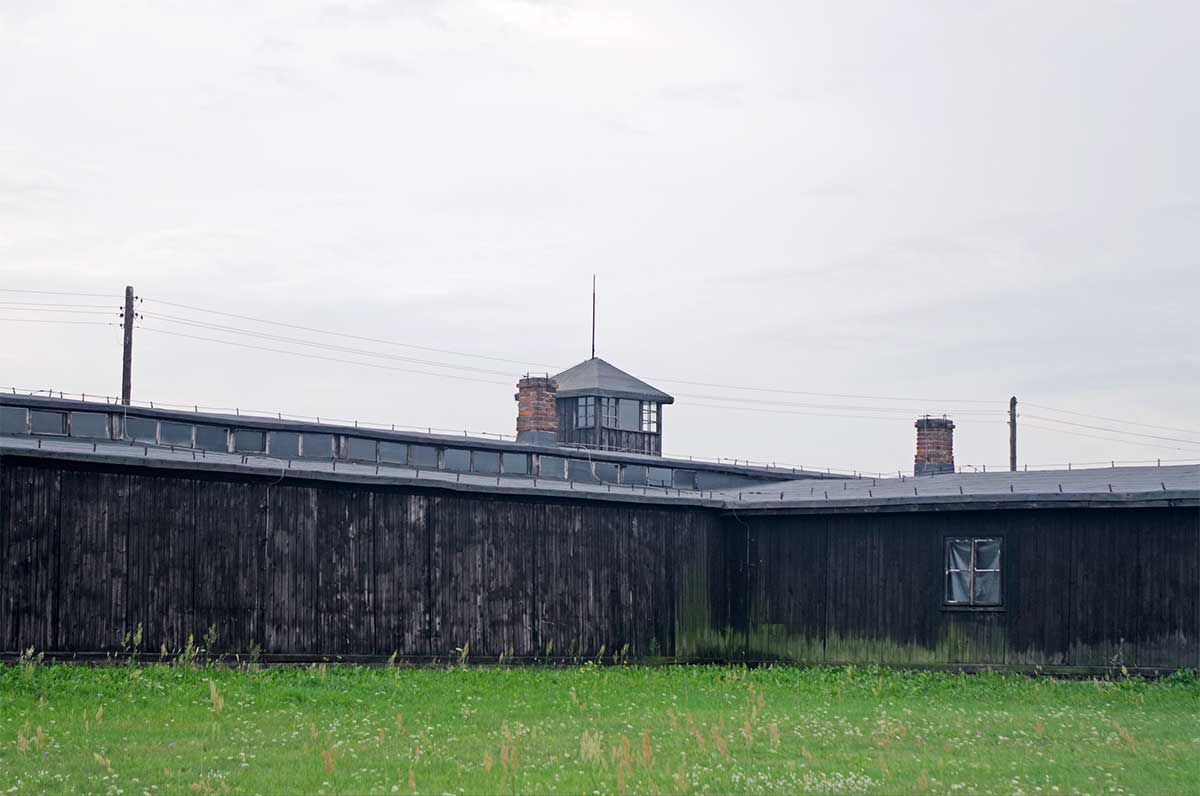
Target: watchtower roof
<point>597,377</point>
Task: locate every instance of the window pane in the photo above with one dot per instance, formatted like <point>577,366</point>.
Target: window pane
<point>284,444</point>
<point>212,438</point>
<point>987,588</point>
<point>585,412</point>
<point>364,449</point>
<point>456,459</point>
<point>485,461</point>
<point>175,433</point>
<point>633,474</point>
<point>579,470</point>
<point>685,479</point>
<point>142,429</point>
<point>424,456</point>
<point>551,467</point>
<point>43,422</point>
<point>393,452</point>
<point>629,415</point>
<point>12,420</point>
<point>608,412</point>
<point>245,441</point>
<point>958,587</point>
<point>658,476</point>
<point>606,472</point>
<point>987,554</point>
<point>958,554</point>
<point>515,463</point>
<point>317,446</point>
<point>89,424</point>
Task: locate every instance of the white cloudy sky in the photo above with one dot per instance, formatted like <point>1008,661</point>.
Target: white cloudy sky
<point>947,201</point>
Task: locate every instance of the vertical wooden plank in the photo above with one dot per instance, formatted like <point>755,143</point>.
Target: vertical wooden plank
<point>230,526</point>
<point>1037,557</point>
<point>1105,589</point>
<point>401,575</point>
<point>162,561</point>
<point>343,548</point>
<point>853,605</point>
<point>1169,598</point>
<point>92,556</point>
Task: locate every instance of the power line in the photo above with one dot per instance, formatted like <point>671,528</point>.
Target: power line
<point>555,368</point>
<point>905,411</point>
<point>67,311</point>
<point>1106,439</point>
<point>349,336</point>
<point>55,305</point>
<point>1110,419</point>
<point>63,321</point>
<point>828,394</point>
<point>59,293</point>
<point>1113,430</point>
<point>317,356</point>
<point>812,414</point>
<point>315,344</point>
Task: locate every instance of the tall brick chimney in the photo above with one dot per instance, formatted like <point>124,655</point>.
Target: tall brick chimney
<point>935,446</point>
<point>537,410</point>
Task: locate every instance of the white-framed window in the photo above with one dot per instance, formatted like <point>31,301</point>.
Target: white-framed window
<point>650,417</point>
<point>973,571</point>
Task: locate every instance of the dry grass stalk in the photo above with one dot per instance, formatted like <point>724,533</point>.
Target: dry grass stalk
<point>773,730</point>
<point>218,701</point>
<point>681,780</point>
<point>748,733</point>
<point>647,751</point>
<point>488,763</point>
<point>807,755</point>
<point>327,757</point>
<point>923,780</point>
<point>718,739</point>
<point>590,749</point>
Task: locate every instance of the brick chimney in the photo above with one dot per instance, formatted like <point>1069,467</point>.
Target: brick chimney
<point>935,446</point>
<point>537,410</point>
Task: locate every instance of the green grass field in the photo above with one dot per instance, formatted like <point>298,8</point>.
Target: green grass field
<point>156,729</point>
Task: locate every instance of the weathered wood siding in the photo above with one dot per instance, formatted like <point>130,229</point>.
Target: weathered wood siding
<point>1082,587</point>
<point>327,570</point>
<point>306,569</point>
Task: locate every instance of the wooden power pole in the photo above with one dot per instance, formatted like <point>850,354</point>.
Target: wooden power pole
<point>1012,434</point>
<point>127,349</point>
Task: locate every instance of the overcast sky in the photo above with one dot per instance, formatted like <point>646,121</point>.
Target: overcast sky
<point>953,201</point>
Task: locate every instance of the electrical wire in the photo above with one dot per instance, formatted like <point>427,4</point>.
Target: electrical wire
<point>317,356</point>
<point>343,334</point>
<point>553,368</point>
<point>54,320</point>
<point>813,414</point>
<point>1112,430</point>
<point>111,312</point>
<point>60,293</point>
<point>1110,419</point>
<point>1106,439</point>
<point>315,344</point>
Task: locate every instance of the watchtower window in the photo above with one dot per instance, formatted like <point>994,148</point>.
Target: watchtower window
<point>585,413</point>
<point>973,571</point>
<point>650,417</point>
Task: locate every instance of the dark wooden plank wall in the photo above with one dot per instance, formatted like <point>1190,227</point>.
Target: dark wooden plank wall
<point>335,570</point>
<point>1082,587</point>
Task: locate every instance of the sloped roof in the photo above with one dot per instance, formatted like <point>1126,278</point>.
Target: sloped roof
<point>1041,487</point>
<point>597,377</point>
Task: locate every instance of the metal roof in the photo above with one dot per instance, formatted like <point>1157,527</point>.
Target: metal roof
<point>598,377</point>
<point>1097,486</point>
<point>1102,487</point>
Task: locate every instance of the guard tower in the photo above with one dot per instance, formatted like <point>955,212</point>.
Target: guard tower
<point>603,407</point>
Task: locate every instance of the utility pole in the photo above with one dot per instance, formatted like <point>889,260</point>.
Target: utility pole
<point>1012,434</point>
<point>593,316</point>
<point>127,349</point>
